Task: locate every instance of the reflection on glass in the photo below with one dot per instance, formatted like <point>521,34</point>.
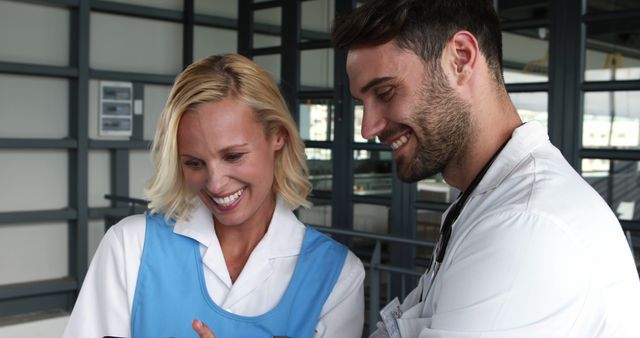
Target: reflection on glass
<point>316,120</point>
<point>618,182</point>
<point>317,16</point>
<point>271,63</point>
<point>358,114</point>
<point>372,172</point>
<point>435,189</point>
<point>316,69</point>
<point>320,168</point>
<point>318,214</point>
<point>613,51</point>
<point>532,106</point>
<point>523,10</point>
<point>611,120</point>
<point>267,27</point>
<point>595,6</point>
<point>525,55</point>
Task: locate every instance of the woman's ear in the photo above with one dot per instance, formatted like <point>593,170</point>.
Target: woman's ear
<point>278,139</point>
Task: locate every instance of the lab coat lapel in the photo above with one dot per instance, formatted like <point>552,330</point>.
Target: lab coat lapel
<point>200,228</point>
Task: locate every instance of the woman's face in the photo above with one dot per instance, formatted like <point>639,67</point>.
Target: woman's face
<point>228,161</point>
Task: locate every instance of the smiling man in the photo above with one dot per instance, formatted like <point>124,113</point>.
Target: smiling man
<point>528,249</point>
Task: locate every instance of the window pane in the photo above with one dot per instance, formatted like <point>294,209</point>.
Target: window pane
<point>523,10</point>
<point>525,55</point>
<point>267,23</point>
<point>532,106</point>
<point>613,51</point>
<point>594,6</point>
<point>320,168</point>
<point>372,172</point>
<point>271,63</point>
<point>316,69</point>
<point>611,120</point>
<point>317,16</point>
<point>208,41</point>
<point>427,229</point>
<point>618,182</point>
<point>319,214</point>
<point>435,189</point>
<point>175,5</point>
<point>223,8</point>
<point>371,218</point>
<point>316,120</point>
<point>99,178</point>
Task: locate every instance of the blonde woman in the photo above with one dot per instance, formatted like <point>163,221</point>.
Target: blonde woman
<point>221,245</point>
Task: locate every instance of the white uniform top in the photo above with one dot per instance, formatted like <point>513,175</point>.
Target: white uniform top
<point>104,305</point>
<point>536,252</point>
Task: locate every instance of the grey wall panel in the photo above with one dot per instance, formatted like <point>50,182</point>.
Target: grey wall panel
<point>33,107</point>
<point>99,178</point>
<point>209,41</point>
<point>154,100</point>
<point>34,34</point>
<point>42,248</point>
<point>138,45</point>
<point>140,171</point>
<point>33,180</point>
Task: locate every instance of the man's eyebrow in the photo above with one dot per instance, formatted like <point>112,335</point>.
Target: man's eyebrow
<point>374,82</point>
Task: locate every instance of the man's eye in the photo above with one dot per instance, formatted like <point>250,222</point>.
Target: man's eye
<point>232,157</point>
<point>386,94</point>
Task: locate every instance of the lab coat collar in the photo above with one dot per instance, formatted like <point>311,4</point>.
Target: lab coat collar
<point>523,141</point>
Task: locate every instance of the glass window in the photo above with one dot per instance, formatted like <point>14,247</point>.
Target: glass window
<point>427,229</point>
<point>611,120</point>
<point>613,51</point>
<point>316,69</point>
<point>618,182</point>
<point>532,106</point>
<point>595,6</point>
<point>318,214</point>
<point>271,63</point>
<point>99,178</point>
<point>523,10</point>
<point>140,171</point>
<point>209,40</point>
<point>316,120</point>
<point>175,5</point>
<point>371,218</point>
<point>267,21</point>
<point>223,8</point>
<point>317,16</point>
<point>435,189</point>
<point>526,55</point>
<point>320,168</point>
<point>372,172</point>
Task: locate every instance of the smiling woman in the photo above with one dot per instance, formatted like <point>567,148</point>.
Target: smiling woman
<point>221,244</point>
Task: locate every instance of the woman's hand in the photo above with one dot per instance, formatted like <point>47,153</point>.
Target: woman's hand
<point>202,330</point>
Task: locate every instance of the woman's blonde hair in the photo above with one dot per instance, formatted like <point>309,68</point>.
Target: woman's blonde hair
<point>211,80</point>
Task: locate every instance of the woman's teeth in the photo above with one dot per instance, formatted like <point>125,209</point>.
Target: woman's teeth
<point>226,201</point>
<point>399,142</point>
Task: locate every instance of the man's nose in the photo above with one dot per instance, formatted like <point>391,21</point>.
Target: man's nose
<point>372,123</point>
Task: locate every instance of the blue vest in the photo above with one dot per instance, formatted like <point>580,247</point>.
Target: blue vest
<point>171,291</point>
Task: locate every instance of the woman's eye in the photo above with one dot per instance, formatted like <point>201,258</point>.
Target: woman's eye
<point>232,157</point>
<point>193,164</point>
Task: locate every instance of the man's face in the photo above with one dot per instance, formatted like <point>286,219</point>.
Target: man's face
<point>410,107</point>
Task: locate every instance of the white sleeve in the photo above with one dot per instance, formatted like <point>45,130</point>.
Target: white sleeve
<point>103,307</point>
<point>512,275</point>
<point>343,313</point>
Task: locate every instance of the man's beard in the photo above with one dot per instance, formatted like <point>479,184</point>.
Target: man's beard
<point>442,122</point>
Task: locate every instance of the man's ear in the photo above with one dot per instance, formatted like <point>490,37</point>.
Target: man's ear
<point>461,56</point>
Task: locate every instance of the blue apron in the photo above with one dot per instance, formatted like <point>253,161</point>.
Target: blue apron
<point>171,291</point>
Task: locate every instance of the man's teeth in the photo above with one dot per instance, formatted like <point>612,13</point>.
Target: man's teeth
<point>399,142</point>
<point>226,201</point>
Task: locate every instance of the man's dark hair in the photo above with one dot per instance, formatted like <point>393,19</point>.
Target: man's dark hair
<point>422,26</point>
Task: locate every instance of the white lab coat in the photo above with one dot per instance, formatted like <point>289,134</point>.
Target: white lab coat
<point>536,252</point>
<point>106,298</point>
